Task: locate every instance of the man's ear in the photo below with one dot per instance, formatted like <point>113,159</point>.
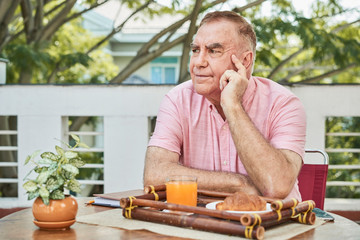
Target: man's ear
<point>247,59</point>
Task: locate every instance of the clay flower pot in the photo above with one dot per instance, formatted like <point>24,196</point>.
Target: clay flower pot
<point>59,214</point>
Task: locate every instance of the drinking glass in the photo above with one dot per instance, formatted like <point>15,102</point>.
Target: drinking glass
<point>181,190</point>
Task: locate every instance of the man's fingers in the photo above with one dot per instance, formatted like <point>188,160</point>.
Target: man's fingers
<point>230,75</point>
<point>240,67</point>
<point>226,78</point>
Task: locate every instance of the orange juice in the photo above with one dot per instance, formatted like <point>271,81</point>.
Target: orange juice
<point>182,190</point>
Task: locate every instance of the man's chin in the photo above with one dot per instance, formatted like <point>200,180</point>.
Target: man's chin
<point>201,89</point>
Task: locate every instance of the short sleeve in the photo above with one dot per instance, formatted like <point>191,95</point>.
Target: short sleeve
<point>168,129</point>
<point>288,130</point>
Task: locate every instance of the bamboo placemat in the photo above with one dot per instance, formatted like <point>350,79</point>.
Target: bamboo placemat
<point>114,218</point>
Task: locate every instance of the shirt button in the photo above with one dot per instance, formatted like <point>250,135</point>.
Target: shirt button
<point>225,163</point>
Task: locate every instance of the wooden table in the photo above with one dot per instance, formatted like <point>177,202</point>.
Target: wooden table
<point>19,225</point>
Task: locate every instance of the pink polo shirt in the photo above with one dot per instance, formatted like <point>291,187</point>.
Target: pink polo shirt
<point>188,124</point>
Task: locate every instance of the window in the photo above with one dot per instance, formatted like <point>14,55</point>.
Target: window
<point>164,70</point>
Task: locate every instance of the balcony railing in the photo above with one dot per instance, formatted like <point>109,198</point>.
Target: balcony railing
<point>42,114</point>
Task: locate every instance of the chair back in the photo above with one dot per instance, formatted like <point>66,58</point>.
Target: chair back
<point>312,180</point>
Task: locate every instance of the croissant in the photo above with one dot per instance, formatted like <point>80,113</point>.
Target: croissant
<point>241,201</point>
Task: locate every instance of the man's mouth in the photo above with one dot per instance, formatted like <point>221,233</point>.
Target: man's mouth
<point>201,76</point>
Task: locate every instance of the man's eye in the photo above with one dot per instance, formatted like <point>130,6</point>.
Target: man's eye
<point>194,50</point>
<point>215,53</point>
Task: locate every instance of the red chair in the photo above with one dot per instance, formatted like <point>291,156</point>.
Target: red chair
<point>312,180</point>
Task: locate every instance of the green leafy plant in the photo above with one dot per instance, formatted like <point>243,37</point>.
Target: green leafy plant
<point>56,171</point>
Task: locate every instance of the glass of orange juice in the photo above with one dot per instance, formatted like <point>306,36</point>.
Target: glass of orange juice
<point>181,190</point>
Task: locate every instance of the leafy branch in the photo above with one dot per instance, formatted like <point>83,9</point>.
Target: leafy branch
<point>56,171</point>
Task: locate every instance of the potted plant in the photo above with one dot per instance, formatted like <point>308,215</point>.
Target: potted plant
<point>55,172</point>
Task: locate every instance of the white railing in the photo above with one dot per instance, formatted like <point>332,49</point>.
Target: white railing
<point>126,109</point>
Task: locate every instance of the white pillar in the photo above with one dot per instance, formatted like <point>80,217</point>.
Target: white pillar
<point>3,70</point>
<point>125,142</point>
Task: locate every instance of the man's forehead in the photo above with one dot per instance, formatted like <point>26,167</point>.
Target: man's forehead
<point>212,34</point>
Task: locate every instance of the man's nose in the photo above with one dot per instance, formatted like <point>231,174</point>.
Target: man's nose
<point>201,60</point>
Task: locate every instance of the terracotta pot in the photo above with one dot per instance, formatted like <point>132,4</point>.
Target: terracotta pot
<point>57,210</point>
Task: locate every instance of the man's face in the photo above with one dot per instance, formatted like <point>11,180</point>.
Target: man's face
<point>212,48</point>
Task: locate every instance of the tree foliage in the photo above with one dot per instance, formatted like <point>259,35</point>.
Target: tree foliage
<point>293,48</point>
<point>45,42</point>
<point>44,37</point>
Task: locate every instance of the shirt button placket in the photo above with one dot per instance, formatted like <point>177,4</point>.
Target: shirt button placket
<point>225,147</point>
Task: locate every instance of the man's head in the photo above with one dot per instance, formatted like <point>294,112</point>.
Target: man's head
<point>220,35</point>
<point>245,30</point>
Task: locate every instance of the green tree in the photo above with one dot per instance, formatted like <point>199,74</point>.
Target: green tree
<point>41,36</point>
<point>292,48</point>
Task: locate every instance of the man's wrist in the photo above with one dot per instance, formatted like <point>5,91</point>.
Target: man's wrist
<point>232,110</point>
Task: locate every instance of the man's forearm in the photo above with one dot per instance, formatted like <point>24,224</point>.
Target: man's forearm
<point>158,167</point>
<point>270,170</point>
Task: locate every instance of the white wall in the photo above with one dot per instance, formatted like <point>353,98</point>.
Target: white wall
<point>321,101</point>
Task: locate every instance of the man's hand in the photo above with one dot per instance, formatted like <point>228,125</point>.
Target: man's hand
<point>233,84</point>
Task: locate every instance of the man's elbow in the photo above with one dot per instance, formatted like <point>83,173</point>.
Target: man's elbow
<point>147,179</point>
<point>152,177</point>
<point>278,192</point>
